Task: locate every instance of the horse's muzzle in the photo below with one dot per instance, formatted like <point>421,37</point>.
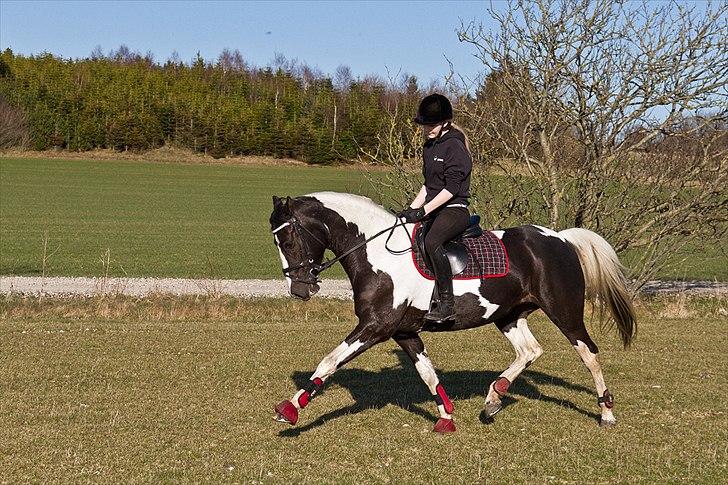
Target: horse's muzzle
<point>304,291</point>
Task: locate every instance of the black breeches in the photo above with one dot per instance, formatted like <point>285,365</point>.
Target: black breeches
<point>448,223</point>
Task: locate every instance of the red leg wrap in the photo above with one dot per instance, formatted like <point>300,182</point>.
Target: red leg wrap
<point>303,400</point>
<point>501,386</point>
<point>444,426</point>
<point>445,400</point>
<point>287,411</point>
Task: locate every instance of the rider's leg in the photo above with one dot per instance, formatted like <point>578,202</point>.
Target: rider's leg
<point>412,344</point>
<point>359,340</point>
<point>448,223</point>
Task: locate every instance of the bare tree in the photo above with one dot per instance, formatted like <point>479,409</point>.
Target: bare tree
<point>343,78</point>
<point>570,81</point>
<point>14,130</point>
<point>399,150</point>
<point>97,53</point>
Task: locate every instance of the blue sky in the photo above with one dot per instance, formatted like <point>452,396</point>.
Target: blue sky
<point>369,37</point>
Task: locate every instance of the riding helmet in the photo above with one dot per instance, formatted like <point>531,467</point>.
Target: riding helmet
<point>433,109</point>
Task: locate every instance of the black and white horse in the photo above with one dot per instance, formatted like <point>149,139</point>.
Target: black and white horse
<point>553,271</point>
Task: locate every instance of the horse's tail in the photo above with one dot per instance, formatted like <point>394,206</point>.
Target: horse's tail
<point>604,276</point>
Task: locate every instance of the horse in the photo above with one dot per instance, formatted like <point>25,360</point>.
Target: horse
<point>548,270</point>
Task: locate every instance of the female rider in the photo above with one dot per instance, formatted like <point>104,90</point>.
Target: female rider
<point>443,198</point>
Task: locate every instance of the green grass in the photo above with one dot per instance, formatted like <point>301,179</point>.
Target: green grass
<point>182,390</point>
<point>178,220</point>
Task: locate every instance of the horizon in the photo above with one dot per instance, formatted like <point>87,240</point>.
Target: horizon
<point>322,35</point>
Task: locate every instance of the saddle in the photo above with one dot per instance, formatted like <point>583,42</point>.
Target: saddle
<point>474,254</point>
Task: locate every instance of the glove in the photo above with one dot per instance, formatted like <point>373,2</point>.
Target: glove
<point>412,215</point>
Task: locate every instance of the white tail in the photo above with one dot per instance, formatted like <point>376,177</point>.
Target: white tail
<point>606,284</point>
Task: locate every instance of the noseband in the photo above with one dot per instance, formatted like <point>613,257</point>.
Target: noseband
<point>314,269</point>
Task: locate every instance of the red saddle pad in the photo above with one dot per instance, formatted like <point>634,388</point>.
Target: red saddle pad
<point>487,258</point>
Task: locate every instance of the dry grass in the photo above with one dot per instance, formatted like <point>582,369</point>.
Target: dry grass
<point>165,154</point>
<point>168,389</point>
<point>676,307</point>
<point>170,308</point>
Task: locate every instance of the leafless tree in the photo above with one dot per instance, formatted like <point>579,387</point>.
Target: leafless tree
<point>97,53</point>
<point>399,150</point>
<point>570,81</point>
<point>13,126</point>
<point>343,77</point>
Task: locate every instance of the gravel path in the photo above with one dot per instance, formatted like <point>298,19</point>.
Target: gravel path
<point>82,286</point>
<point>63,286</point>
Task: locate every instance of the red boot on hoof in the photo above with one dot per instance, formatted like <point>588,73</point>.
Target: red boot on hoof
<point>286,412</point>
<point>444,425</point>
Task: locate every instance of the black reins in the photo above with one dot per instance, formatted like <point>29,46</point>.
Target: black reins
<point>315,268</point>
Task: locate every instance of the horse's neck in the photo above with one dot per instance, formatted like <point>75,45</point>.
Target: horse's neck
<point>369,219</point>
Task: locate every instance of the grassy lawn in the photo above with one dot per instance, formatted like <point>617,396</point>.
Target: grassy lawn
<point>176,220</point>
<point>181,390</point>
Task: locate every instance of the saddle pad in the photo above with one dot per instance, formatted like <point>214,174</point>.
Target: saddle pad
<point>487,258</point>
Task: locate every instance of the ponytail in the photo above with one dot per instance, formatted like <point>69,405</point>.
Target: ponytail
<point>467,140</point>
<point>448,125</point>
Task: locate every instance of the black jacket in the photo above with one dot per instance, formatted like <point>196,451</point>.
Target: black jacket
<point>447,165</point>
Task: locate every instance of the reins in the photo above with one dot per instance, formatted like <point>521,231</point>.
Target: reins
<point>331,262</point>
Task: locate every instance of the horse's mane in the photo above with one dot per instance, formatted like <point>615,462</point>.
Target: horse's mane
<point>354,208</point>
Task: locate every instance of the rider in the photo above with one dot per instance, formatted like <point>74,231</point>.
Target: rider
<point>444,195</point>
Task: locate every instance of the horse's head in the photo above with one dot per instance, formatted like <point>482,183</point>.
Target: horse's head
<point>301,241</point>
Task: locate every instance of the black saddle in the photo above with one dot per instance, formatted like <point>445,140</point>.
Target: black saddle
<point>455,250</point>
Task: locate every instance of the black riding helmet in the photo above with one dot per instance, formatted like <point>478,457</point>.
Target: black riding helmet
<point>433,109</point>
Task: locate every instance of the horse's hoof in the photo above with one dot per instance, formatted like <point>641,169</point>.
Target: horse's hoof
<point>286,412</point>
<point>607,423</point>
<point>444,425</point>
<point>492,408</point>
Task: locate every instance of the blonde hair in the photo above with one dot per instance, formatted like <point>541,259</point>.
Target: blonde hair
<point>453,126</point>
<point>467,140</point>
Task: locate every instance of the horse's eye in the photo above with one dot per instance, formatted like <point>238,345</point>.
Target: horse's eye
<point>287,245</point>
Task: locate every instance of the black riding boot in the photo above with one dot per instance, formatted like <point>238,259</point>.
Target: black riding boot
<point>445,309</point>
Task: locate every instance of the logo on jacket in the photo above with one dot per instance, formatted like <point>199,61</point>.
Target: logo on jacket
<point>439,159</point>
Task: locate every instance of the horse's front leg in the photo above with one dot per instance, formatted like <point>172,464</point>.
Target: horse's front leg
<point>412,344</point>
<point>363,337</point>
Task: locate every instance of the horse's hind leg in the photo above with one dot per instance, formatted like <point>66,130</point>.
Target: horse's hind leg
<point>587,350</point>
<point>570,320</point>
<point>412,344</point>
<point>527,351</point>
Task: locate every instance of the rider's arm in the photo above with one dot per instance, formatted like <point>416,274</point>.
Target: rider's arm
<point>439,199</point>
<point>420,199</point>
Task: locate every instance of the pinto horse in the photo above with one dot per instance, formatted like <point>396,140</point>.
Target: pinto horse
<point>548,270</point>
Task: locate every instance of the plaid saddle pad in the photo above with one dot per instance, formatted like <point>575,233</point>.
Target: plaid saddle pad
<point>487,258</point>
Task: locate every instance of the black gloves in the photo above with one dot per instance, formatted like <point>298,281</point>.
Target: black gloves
<point>412,215</point>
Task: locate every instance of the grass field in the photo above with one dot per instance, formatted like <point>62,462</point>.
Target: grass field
<point>175,220</point>
<point>181,390</point>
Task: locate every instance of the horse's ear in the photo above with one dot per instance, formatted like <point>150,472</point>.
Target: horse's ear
<point>276,201</point>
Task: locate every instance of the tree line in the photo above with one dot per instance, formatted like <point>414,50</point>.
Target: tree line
<point>126,101</point>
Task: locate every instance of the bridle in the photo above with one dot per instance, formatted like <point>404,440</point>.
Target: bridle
<point>315,269</point>
<point>308,261</point>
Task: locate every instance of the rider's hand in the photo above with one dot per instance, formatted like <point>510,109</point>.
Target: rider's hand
<point>411,214</point>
